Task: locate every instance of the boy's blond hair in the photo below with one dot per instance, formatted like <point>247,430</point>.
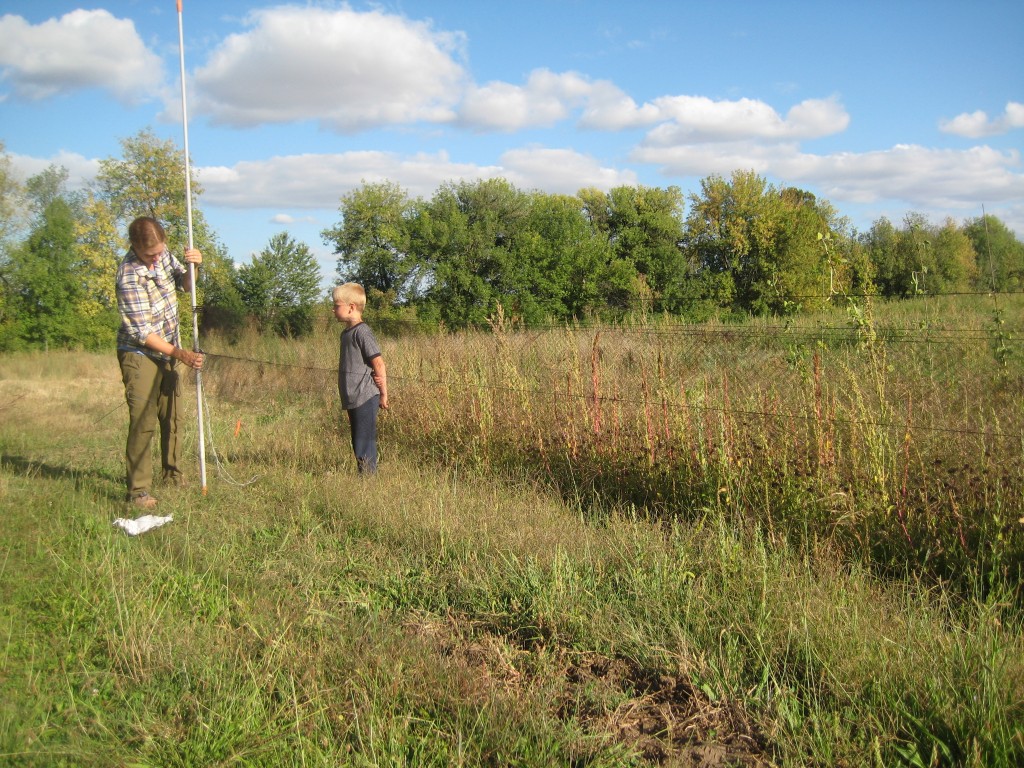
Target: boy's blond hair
<point>350,293</point>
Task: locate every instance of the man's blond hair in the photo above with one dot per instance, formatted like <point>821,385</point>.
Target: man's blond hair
<point>350,293</point>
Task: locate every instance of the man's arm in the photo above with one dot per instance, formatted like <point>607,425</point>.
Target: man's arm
<point>195,258</point>
<point>158,344</point>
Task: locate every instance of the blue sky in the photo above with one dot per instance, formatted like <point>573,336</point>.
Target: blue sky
<point>882,108</point>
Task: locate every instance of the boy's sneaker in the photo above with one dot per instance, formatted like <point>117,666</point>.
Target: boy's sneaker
<point>142,501</point>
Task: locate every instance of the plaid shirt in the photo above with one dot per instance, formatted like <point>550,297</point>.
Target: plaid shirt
<point>148,302</point>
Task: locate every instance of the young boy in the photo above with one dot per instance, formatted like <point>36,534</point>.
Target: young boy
<point>362,376</point>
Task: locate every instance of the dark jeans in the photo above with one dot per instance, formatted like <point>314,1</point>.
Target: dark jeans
<point>363,421</point>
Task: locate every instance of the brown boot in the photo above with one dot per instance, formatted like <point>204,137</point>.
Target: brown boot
<point>175,479</point>
<point>142,501</point>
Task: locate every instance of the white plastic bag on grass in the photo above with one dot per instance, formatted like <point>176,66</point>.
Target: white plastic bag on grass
<point>142,524</point>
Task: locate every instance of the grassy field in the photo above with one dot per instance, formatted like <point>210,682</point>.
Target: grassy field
<point>644,545</point>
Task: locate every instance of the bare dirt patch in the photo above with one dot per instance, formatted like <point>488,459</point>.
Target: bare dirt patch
<point>663,716</point>
<point>660,715</point>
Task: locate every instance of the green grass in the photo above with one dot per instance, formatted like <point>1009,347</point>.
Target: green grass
<point>453,611</point>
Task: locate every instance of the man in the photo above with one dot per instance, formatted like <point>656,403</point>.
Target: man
<point>148,349</point>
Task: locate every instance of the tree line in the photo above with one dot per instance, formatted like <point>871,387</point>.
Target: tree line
<point>738,246</point>
<point>59,252</point>
<point>744,247</point>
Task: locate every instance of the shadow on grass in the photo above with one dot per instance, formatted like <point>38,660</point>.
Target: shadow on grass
<point>96,479</point>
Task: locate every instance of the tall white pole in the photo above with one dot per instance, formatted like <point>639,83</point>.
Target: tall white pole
<point>191,267</point>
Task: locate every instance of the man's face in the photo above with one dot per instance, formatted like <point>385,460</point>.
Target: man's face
<point>149,255</point>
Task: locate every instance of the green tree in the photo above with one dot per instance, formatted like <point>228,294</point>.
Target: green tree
<point>956,263</point>
<point>372,242</point>
<point>561,257</point>
<point>10,207</point>
<point>645,227</point>
<point>753,248</point>
<point>47,287</point>
<point>10,200</point>
<point>465,234</point>
<point>851,273</point>
<point>883,245</point>
<point>596,209</point>
<point>718,233</point>
<point>254,283</point>
<point>101,246</point>
<point>221,306</point>
<point>50,185</point>
<point>797,274</point>
<point>281,287</point>
<point>149,180</point>
<point>1000,255</point>
<point>621,288</point>
<point>916,258</point>
<point>919,257</point>
<point>472,247</point>
<point>52,296</point>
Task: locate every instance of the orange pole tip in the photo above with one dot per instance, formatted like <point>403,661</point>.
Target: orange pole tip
<point>179,6</point>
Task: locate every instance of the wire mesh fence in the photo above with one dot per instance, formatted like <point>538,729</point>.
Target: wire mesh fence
<point>902,436</point>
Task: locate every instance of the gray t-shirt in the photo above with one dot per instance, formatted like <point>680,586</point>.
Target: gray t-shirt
<point>355,376</point>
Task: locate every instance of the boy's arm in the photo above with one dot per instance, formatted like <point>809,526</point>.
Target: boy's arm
<point>380,378</point>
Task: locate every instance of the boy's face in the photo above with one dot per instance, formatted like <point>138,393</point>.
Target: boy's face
<point>346,312</point>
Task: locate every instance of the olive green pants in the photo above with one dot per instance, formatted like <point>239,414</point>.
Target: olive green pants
<point>152,390</point>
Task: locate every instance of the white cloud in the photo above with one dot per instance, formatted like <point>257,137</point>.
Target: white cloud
<point>711,159</point>
<point>694,119</point>
<point>560,171</point>
<point>81,170</point>
<point>1012,216</point>
<point>348,70</point>
<point>353,71</point>
<point>611,109</point>
<point>546,99</point>
<point>319,181</point>
<point>974,125</point>
<point>919,176</point>
<point>287,219</point>
<point>82,49</point>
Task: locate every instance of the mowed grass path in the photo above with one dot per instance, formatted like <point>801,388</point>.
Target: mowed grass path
<point>432,616</point>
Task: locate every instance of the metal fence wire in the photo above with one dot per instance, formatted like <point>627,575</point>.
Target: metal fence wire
<point>859,403</point>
